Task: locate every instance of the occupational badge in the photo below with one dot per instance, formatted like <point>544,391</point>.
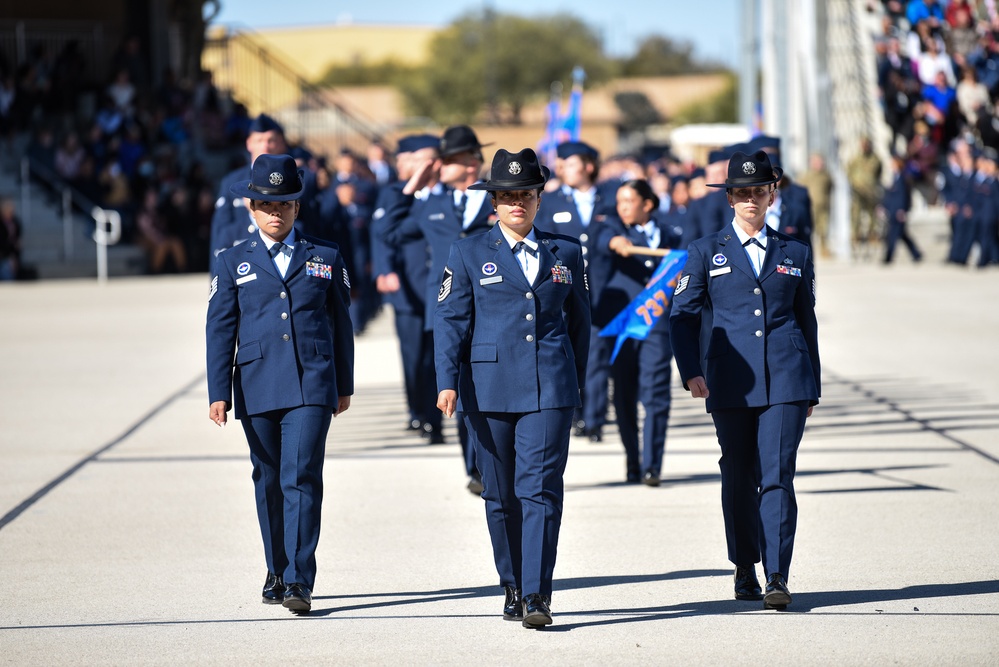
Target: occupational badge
<point>719,260</point>
<point>489,268</point>
<point>243,268</point>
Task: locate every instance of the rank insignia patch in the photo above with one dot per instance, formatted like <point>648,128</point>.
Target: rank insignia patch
<point>681,285</point>
<point>445,285</point>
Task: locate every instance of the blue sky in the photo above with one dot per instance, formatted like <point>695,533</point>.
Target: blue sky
<point>710,25</point>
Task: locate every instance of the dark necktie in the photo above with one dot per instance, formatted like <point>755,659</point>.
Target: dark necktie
<point>280,248</point>
<point>753,240</point>
<point>520,245</point>
<point>459,208</point>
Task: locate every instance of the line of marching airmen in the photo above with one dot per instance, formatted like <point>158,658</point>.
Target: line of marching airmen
<point>501,285</point>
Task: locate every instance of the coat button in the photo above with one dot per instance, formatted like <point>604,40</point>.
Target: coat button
<point>584,237</point>
<point>759,334</point>
<point>530,317</point>
<point>530,338</point>
<point>585,249</point>
<point>757,312</point>
<point>287,337</point>
<point>284,316</point>
<point>530,295</point>
<point>756,291</point>
<point>284,295</point>
<point>648,263</point>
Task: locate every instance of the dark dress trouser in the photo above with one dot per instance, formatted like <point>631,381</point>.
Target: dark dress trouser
<point>522,457</point>
<point>759,508</point>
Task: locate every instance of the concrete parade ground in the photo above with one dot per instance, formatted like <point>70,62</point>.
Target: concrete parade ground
<point>128,534</point>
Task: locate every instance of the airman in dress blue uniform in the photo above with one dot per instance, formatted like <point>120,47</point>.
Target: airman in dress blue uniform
<point>642,368</point>
<point>578,209</point>
<point>281,353</point>
<point>440,219</point>
<point>513,308</point>
<point>753,288</point>
<point>401,272</point>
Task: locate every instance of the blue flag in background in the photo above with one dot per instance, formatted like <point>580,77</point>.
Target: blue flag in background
<point>637,320</point>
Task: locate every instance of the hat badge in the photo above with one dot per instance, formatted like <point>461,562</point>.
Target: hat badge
<point>515,168</point>
<point>748,168</point>
<point>276,178</point>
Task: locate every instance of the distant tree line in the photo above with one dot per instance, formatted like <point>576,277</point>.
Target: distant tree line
<point>494,64</point>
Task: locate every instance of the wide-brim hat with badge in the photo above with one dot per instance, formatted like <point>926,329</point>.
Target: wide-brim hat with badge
<point>272,178</point>
<point>459,139</point>
<point>749,170</point>
<point>514,171</point>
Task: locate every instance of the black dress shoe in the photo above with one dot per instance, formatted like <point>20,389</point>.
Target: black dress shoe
<point>513,610</point>
<point>536,611</point>
<point>650,479</point>
<point>298,598</point>
<point>273,592</point>
<point>777,596</point>
<point>475,484</point>
<point>595,434</point>
<point>414,425</point>
<point>579,430</point>
<point>747,586</point>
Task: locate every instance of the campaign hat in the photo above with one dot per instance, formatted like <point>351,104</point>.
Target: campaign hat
<point>514,171</point>
<point>748,170</point>
<point>272,178</point>
<point>459,139</point>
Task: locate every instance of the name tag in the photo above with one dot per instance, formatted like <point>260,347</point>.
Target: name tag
<point>437,216</point>
<point>562,216</point>
<point>491,280</point>
<point>246,279</point>
<point>789,270</point>
<point>721,271</point>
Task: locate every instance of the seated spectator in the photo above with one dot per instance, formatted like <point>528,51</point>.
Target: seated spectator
<point>933,60</point>
<point>122,93</point>
<point>156,238</point>
<point>972,97</point>
<point>957,7</point>
<point>69,157</point>
<point>925,10</point>
<point>10,240</point>
<point>962,38</point>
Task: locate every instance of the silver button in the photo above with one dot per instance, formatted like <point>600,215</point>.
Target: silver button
<point>584,237</point>
<point>530,317</point>
<point>530,295</point>
<point>287,337</point>
<point>759,334</point>
<point>756,291</point>
<point>648,263</point>
<point>249,228</point>
<point>757,312</point>
<point>530,338</point>
<point>586,263</point>
<point>584,249</point>
<point>284,316</point>
<point>284,295</point>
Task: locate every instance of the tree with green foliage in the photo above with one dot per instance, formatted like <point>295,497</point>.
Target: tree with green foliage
<point>661,56</point>
<point>500,62</point>
<point>720,108</point>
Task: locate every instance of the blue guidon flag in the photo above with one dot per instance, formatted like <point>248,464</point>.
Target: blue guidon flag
<point>637,320</point>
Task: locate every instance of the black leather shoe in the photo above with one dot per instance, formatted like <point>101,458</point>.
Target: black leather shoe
<point>273,592</point>
<point>434,436</point>
<point>414,425</point>
<point>650,479</point>
<point>475,484</point>
<point>513,610</point>
<point>579,430</point>
<point>777,596</point>
<point>595,434</point>
<point>747,586</point>
<point>298,598</point>
<point>536,611</point>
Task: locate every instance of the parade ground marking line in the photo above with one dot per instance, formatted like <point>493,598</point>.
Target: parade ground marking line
<point>42,492</point>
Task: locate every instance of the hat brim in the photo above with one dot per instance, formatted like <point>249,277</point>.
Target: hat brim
<point>496,186</point>
<point>467,148</point>
<point>243,189</point>
<point>731,183</point>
